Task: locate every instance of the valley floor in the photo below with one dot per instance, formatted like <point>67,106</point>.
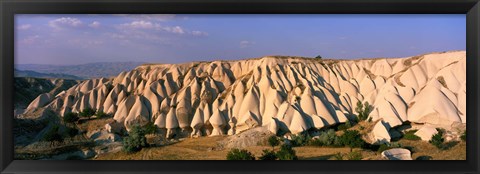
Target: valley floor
<point>206,148</point>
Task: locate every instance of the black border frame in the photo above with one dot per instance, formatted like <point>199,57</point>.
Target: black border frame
<point>10,7</point>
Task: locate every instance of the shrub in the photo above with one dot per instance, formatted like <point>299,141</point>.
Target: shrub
<point>150,128</point>
<point>410,135</point>
<point>325,138</point>
<point>437,139</point>
<point>352,139</point>
<point>370,119</point>
<point>101,114</point>
<point>87,112</point>
<point>286,152</point>
<point>53,135</point>
<point>237,154</point>
<point>464,136</point>
<point>135,140</point>
<point>363,110</point>
<point>70,117</point>
<point>318,57</point>
<point>273,141</point>
<point>268,155</point>
<point>300,140</point>
<point>355,155</point>
<point>71,131</point>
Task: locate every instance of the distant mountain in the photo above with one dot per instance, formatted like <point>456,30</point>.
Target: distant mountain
<point>86,71</point>
<point>28,73</point>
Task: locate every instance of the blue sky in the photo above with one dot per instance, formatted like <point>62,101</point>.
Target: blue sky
<point>164,38</point>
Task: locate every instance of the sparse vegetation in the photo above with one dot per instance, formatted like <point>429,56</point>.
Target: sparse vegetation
<point>300,140</point>
<point>71,131</point>
<point>273,141</point>
<point>268,155</point>
<point>286,152</point>
<point>326,138</point>
<point>355,155</point>
<point>150,128</point>
<point>101,114</point>
<point>437,139</point>
<point>87,112</point>
<point>463,137</point>
<point>135,140</point>
<point>237,154</point>
<point>70,117</point>
<point>351,138</point>
<point>318,57</point>
<point>410,135</point>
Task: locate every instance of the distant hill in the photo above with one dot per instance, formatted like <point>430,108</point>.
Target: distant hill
<point>85,71</point>
<point>27,88</point>
<point>28,73</point>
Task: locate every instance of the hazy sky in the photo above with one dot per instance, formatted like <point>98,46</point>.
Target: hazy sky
<point>78,39</point>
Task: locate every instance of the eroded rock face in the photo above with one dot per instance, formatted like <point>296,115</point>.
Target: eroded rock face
<point>426,132</point>
<point>285,94</point>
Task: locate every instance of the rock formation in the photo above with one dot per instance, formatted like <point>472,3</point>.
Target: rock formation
<point>288,94</point>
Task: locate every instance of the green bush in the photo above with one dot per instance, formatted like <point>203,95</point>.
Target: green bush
<point>150,128</point>
<point>237,154</point>
<point>437,139</point>
<point>70,117</point>
<point>325,138</point>
<point>387,146</point>
<point>53,135</point>
<point>410,135</point>
<point>352,139</point>
<point>464,136</point>
<point>101,114</point>
<point>268,155</point>
<point>135,140</point>
<point>363,110</point>
<point>286,152</point>
<point>300,140</point>
<point>273,141</point>
<point>87,112</point>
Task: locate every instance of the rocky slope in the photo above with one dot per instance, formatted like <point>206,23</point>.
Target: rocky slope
<point>285,94</point>
<point>28,88</point>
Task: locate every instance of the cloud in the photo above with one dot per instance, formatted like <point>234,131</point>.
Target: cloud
<point>176,29</point>
<point>64,22</point>
<point>24,27</point>
<point>245,43</point>
<point>140,25</point>
<point>148,17</point>
<point>29,40</point>
<point>94,24</point>
<point>199,33</point>
<point>152,26</point>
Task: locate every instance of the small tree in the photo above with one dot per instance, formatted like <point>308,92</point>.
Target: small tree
<point>352,139</point>
<point>437,139</point>
<point>286,152</point>
<point>273,141</point>
<point>237,154</point>
<point>318,57</point>
<point>268,155</point>
<point>136,140</point>
<point>150,128</point>
<point>70,117</point>
<point>363,110</point>
<point>87,112</point>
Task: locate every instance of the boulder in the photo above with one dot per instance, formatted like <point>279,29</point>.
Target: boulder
<point>397,154</point>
